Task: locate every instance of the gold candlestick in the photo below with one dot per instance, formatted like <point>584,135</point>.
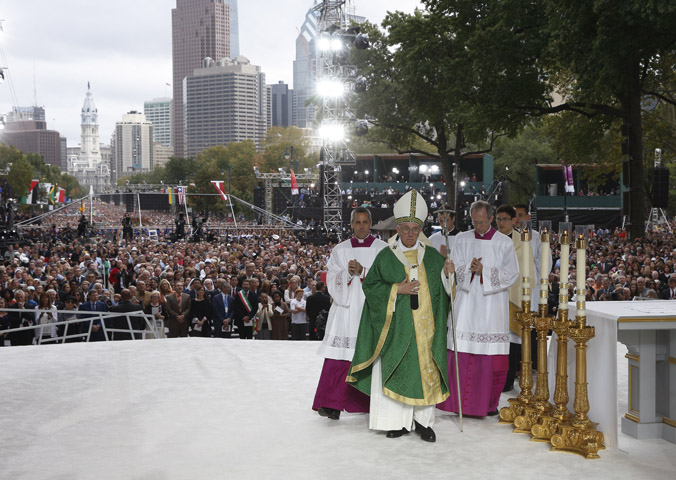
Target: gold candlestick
<point>540,406</point>
<point>550,423</point>
<point>525,319</point>
<point>579,435</point>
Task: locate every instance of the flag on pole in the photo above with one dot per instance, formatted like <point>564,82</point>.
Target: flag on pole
<point>568,182</point>
<point>170,191</point>
<point>61,196</point>
<point>294,184</point>
<point>181,194</point>
<point>32,195</point>
<point>53,190</point>
<point>82,207</point>
<point>219,185</point>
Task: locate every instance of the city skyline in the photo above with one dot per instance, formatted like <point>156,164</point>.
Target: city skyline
<point>124,51</point>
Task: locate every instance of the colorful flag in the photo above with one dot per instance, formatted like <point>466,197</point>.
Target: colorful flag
<point>294,184</point>
<point>53,190</point>
<point>61,196</point>
<point>170,191</point>
<point>219,185</point>
<point>32,195</point>
<point>181,194</point>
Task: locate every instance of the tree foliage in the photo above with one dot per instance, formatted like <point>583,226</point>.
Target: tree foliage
<point>22,168</point>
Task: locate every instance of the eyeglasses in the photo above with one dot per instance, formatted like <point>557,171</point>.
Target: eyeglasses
<point>408,231</point>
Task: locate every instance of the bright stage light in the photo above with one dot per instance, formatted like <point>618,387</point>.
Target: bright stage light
<point>324,44</point>
<point>336,44</point>
<point>330,88</point>
<point>333,132</point>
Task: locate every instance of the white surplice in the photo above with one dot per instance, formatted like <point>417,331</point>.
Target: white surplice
<point>481,305</point>
<point>348,298</point>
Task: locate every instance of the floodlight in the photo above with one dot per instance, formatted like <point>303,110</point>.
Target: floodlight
<point>336,44</point>
<point>333,132</point>
<point>324,44</point>
<point>330,88</point>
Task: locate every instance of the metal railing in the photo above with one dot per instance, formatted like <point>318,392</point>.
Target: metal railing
<point>78,326</point>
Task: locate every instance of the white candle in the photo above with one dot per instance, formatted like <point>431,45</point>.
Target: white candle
<point>544,267</point>
<point>581,279</point>
<point>526,266</point>
<point>563,281</point>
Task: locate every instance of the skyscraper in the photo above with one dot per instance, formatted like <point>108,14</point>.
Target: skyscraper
<point>305,69</point>
<point>132,146</point>
<point>280,105</point>
<point>200,29</point>
<point>225,101</point>
<point>234,28</point>
<point>159,112</point>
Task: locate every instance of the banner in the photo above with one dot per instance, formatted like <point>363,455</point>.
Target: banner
<point>219,185</point>
<point>32,195</point>
<point>170,191</point>
<point>53,191</point>
<point>180,191</point>
<point>294,184</point>
<point>61,196</point>
<point>568,183</point>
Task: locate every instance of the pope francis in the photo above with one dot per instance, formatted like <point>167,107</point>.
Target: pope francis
<point>400,355</point>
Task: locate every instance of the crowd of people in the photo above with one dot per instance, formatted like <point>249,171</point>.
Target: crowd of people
<point>271,285</point>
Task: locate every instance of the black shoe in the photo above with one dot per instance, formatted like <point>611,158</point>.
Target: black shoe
<point>426,433</point>
<point>493,413</point>
<point>397,433</point>
<point>331,413</point>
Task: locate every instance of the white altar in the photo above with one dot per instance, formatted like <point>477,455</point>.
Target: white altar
<point>648,329</point>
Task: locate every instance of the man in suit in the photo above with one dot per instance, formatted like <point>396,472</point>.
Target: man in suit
<point>316,303</point>
<point>669,293</point>
<point>222,303</point>
<point>244,308</point>
<point>94,305</point>
<point>178,308</point>
<point>142,294</point>
<point>124,322</point>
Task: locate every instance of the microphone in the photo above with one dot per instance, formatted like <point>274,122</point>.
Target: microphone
<point>414,302</point>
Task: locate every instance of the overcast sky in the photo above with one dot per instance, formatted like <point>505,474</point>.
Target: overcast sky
<point>52,48</point>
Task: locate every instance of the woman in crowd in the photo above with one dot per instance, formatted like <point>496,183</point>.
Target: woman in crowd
<point>201,314</point>
<point>155,308</point>
<point>46,316</point>
<point>280,317</point>
<point>263,318</point>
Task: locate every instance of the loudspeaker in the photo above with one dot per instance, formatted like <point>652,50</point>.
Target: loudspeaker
<point>259,197</point>
<point>129,202</point>
<point>626,203</point>
<point>280,199</point>
<point>660,188</point>
<point>626,172</point>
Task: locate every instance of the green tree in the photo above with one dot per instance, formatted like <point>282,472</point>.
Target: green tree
<point>516,158</point>
<point>421,90</point>
<point>19,177</point>
<point>602,57</point>
<point>278,142</point>
<point>179,170</point>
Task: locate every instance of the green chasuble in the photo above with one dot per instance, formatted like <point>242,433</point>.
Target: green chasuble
<point>411,343</point>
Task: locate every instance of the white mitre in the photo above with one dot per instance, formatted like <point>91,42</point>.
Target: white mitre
<point>411,208</point>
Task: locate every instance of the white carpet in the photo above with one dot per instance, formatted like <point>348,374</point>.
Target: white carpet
<point>217,409</point>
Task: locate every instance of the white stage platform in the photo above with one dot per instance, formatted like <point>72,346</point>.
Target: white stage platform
<point>231,409</point>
